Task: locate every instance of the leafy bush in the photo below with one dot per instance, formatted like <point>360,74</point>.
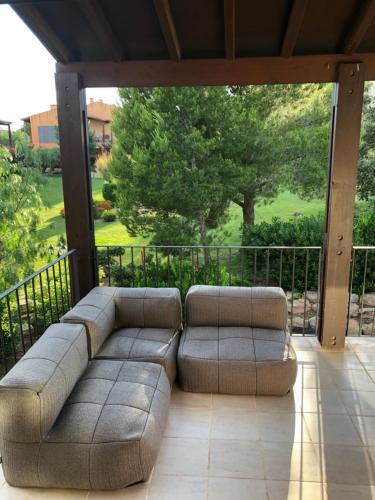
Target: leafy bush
<point>44,159</point>
<point>103,205</point>
<point>109,191</point>
<point>62,212</point>
<point>108,216</point>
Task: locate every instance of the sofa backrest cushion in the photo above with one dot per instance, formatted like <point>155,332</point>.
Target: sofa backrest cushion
<point>148,308</point>
<point>97,312</point>
<point>34,391</point>
<point>262,307</point>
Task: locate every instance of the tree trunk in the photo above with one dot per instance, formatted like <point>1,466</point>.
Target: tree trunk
<point>248,213</point>
<point>203,237</point>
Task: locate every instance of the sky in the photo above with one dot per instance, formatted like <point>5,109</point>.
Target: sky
<point>27,82</point>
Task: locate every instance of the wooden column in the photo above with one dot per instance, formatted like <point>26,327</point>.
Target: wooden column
<point>346,124</point>
<point>73,131</point>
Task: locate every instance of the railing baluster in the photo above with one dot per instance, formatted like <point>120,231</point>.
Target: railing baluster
<point>11,328</point>
<point>20,320</point>
<point>157,267</point>
<point>317,323</point>
<point>61,288</point>
<point>180,270</point>
<point>268,267</point>
<point>169,268</point>
<point>255,271</point>
<point>2,338</point>
<point>242,259</point>
<point>68,298</point>
<point>363,291</point>
<point>305,290</point>
<point>192,266</point>
<point>281,268</point>
<point>144,267</point>
<point>42,297</point>
<point>109,266</point>
<point>133,269</point>
<point>55,289</point>
<point>36,327</point>
<point>352,265</point>
<point>217,267</point>
<point>49,296</point>
<point>230,266</point>
<point>28,313</point>
<point>293,274</point>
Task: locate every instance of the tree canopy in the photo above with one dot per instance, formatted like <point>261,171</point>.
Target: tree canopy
<point>20,204</point>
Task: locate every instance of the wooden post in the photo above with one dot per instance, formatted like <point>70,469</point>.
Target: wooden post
<point>346,124</point>
<point>73,131</point>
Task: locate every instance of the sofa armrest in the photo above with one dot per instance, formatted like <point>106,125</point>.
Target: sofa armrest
<point>97,312</point>
<point>34,391</point>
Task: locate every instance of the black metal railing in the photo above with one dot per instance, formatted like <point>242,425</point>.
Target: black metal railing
<point>295,269</point>
<point>361,311</point>
<point>30,306</point>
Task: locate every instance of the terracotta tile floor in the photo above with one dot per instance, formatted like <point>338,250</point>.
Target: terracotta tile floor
<point>316,443</point>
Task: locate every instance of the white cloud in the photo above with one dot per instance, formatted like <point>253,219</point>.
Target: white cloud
<point>27,82</point>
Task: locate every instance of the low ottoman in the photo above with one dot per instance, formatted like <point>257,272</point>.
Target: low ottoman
<point>236,342</point>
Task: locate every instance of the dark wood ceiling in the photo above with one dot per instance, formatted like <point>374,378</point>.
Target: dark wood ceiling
<point>178,31</point>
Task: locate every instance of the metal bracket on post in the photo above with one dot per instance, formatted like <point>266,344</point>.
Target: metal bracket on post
<point>346,125</point>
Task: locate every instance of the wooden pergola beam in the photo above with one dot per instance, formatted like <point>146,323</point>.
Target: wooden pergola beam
<point>359,27</point>
<point>39,26</point>
<point>230,32</point>
<point>163,11</point>
<point>95,15</point>
<point>293,27</point>
<point>79,220</point>
<point>240,71</point>
<point>346,127</point>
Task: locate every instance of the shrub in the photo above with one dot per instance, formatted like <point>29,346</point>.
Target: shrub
<point>103,205</point>
<point>109,191</point>
<point>62,212</point>
<point>101,165</point>
<point>46,158</point>
<point>108,216</point>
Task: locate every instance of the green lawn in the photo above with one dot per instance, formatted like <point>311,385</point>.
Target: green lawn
<point>114,233</point>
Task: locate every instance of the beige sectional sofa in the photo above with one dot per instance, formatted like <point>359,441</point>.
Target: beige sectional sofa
<point>236,342</point>
<point>86,406</point>
<point>68,423</point>
<point>140,324</point>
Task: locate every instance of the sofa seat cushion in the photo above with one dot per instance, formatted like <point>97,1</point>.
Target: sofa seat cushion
<point>108,434</point>
<point>156,345</point>
<point>236,360</point>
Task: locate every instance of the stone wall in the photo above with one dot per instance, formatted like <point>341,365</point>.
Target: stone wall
<point>303,313</point>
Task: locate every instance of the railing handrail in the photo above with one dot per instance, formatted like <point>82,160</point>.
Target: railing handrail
<point>228,247</point>
<point>35,274</point>
<point>363,247</point>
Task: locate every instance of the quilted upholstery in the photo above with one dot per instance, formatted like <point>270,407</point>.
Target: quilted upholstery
<point>156,345</point>
<point>38,385</point>
<point>132,323</point>
<point>240,345</point>
<point>263,307</point>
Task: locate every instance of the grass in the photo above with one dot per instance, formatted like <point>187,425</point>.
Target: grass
<point>114,233</point>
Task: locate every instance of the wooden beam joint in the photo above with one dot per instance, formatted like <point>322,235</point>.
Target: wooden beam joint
<point>164,13</point>
<point>293,27</point>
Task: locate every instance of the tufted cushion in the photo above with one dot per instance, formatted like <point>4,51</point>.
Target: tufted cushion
<point>148,308</point>
<point>263,307</point>
<point>156,345</point>
<point>97,312</point>
<point>107,435</point>
<point>236,360</point>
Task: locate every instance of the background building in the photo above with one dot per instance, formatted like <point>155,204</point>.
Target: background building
<point>43,126</point>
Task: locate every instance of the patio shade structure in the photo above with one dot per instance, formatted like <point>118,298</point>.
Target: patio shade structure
<point>7,124</point>
<point>116,43</point>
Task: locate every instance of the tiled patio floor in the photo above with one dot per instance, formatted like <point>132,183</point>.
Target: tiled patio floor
<point>317,443</point>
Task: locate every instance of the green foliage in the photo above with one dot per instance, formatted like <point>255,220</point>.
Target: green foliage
<point>108,216</point>
<point>366,165</point>
<point>20,206</point>
<point>109,191</point>
<point>43,158</point>
<point>168,161</point>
